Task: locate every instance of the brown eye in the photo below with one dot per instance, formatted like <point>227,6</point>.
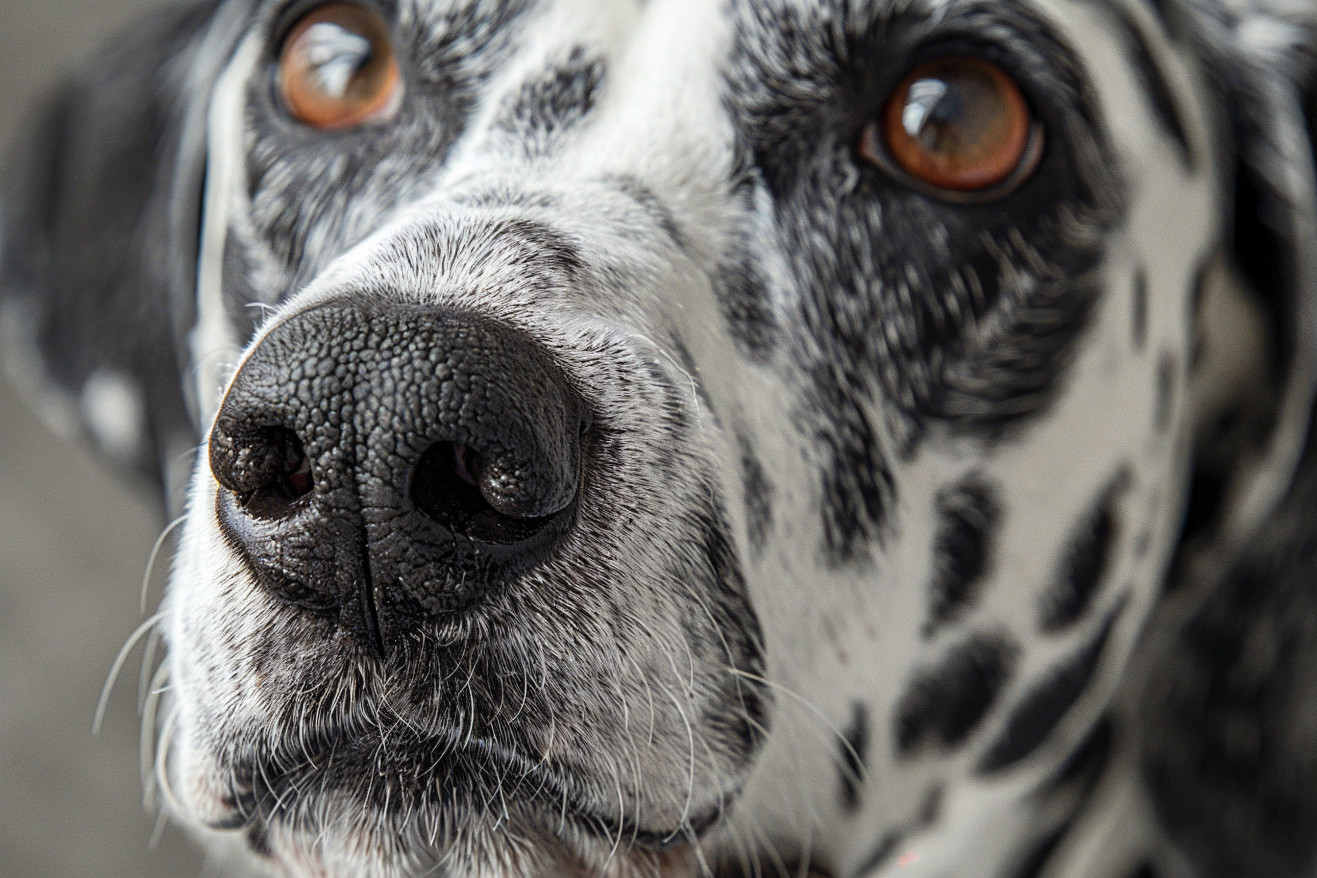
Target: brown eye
<point>337,68</point>
<point>958,124</point>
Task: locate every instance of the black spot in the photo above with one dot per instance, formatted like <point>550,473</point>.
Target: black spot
<point>1262,251</point>
<point>1149,74</point>
<point>1085,764</point>
<point>882,851</point>
<point>1139,309</point>
<point>758,495</point>
<point>1198,291</point>
<point>1170,16</point>
<point>258,840</point>
<point>1085,562</point>
<point>742,290</point>
<point>1049,701</point>
<point>1207,493</point>
<point>946,702</point>
<point>858,487</point>
<point>888,843</point>
<point>1014,371</point>
<point>854,747</point>
<point>742,643</point>
<point>551,251</point>
<point>1144,870</point>
<point>555,101</point>
<point>1164,404</point>
<point>968,516</point>
<point>649,201</point>
<point>1036,859</point>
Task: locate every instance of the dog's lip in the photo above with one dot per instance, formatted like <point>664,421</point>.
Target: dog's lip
<point>249,801</point>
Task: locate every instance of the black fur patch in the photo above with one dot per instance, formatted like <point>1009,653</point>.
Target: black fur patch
<point>1086,560</point>
<point>555,101</point>
<point>858,487</point>
<point>968,517</point>
<point>1233,767</point>
<point>1044,707</point>
<point>1144,870</point>
<point>649,201</point>
<point>1146,70</point>
<point>1164,403</point>
<point>258,840</point>
<point>1139,309</point>
<point>1037,857</point>
<point>853,748</point>
<point>1085,763</point>
<point>888,844</point>
<point>758,495</point>
<point>742,289</point>
<point>1013,372</point>
<point>946,702</point>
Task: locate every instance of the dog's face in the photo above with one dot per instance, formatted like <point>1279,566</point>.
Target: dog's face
<point>644,437</point>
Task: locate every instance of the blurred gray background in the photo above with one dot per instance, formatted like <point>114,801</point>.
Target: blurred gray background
<point>74,544</point>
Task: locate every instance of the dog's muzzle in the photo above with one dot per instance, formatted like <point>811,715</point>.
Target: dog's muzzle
<point>393,463</point>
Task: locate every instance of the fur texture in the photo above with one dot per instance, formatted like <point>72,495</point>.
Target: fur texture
<point>912,534</point>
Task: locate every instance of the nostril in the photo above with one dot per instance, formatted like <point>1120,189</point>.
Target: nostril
<point>464,461</point>
<point>266,468</point>
<point>451,485</point>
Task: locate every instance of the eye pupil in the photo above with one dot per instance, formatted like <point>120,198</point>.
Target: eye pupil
<point>956,124</point>
<point>337,68</point>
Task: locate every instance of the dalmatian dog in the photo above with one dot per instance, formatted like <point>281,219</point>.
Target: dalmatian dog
<point>676,438</point>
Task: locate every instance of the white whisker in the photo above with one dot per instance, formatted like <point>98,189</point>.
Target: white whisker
<point>103,702</point>
<point>151,559</point>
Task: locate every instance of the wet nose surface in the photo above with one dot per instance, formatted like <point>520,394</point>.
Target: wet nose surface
<point>393,463</point>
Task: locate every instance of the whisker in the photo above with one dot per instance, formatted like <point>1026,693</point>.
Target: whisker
<point>151,559</point>
<point>148,667</point>
<point>103,702</point>
<point>162,758</point>
<point>147,741</point>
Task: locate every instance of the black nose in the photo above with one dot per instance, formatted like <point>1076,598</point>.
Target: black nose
<point>395,462</point>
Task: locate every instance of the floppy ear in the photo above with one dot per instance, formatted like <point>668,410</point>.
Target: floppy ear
<point>1253,386</point>
<point>98,240</point>
<point>1229,712</point>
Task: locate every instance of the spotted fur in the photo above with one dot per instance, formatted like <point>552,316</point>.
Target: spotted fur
<point>913,537</point>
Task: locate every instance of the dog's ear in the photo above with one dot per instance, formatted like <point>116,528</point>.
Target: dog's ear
<point>98,240</point>
<point>1254,421</point>
<point>1228,712</point>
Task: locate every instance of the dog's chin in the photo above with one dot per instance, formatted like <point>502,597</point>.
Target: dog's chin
<point>481,846</point>
<point>515,845</point>
<point>442,805</point>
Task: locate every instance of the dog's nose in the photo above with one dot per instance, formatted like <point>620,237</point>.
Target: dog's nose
<point>396,462</point>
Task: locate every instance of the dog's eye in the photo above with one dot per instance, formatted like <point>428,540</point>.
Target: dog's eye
<point>960,125</point>
<point>337,68</point>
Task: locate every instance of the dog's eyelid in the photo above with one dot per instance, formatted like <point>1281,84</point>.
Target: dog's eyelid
<point>286,16</point>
